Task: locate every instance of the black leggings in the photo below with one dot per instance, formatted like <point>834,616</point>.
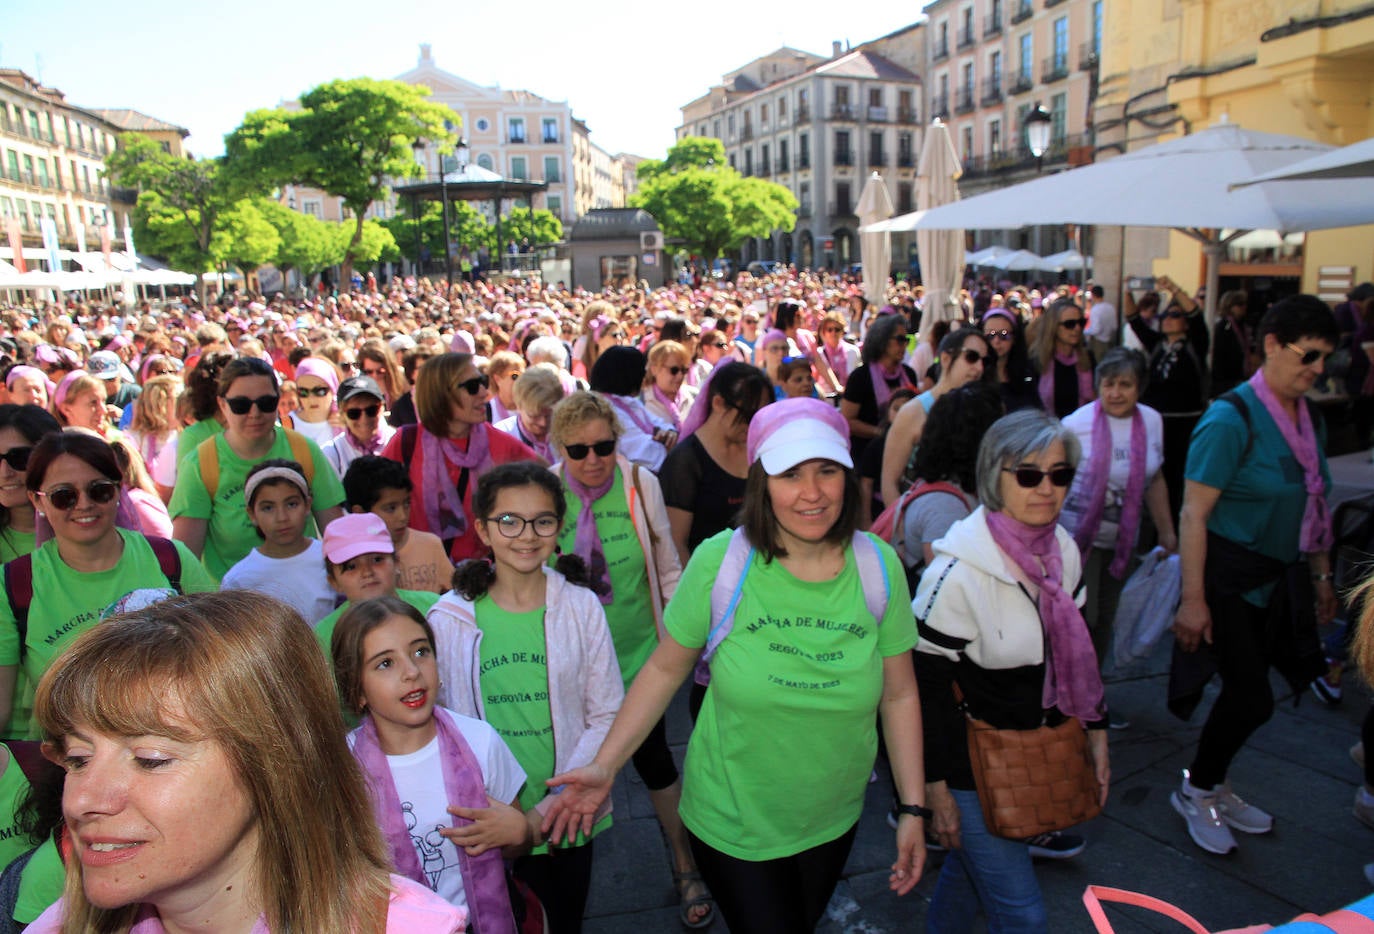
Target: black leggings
<point>561,878</point>
<point>787,895</point>
<point>653,760</point>
<point>1246,701</point>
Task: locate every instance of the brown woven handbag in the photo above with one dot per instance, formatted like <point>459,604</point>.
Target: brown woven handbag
<point>1032,781</point>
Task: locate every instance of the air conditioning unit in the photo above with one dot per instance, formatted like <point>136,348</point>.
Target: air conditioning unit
<point>650,240</point>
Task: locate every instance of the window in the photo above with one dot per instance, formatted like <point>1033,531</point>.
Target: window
<point>782,109</point>
<point>552,171</point>
<point>782,155</point>
<point>841,95</point>
<point>804,151</point>
<point>995,69</point>
<point>35,126</point>
<point>485,162</point>
<point>875,148</point>
<point>763,115</point>
<point>6,207</point>
<point>517,129</point>
<point>732,160</point>
<point>1059,106</point>
<point>904,204</point>
<point>905,157</point>
<point>555,204</point>
<point>1097,26</point>
<point>765,167</point>
<point>519,167</point>
<point>905,111</point>
<point>67,130</point>
<point>804,197</point>
<point>28,169</point>
<point>730,125</point>
<point>13,160</point>
<point>968,74</point>
<point>715,129</point>
<point>1061,43</point>
<point>482,124</point>
<point>967,136</point>
<point>994,137</point>
<point>842,199</point>
<point>842,154</point>
<point>748,162</point>
<point>1027,56</point>
<point>549,133</point>
<point>311,207</point>
<point>875,97</point>
<point>701,130</point>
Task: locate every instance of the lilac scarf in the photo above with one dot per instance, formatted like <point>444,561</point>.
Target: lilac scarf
<point>374,446</point>
<point>484,877</point>
<point>835,357</point>
<point>1095,489</point>
<point>444,509</point>
<point>882,387</point>
<point>670,405</point>
<point>587,545</point>
<point>1072,681</point>
<point>701,407</point>
<point>543,448</point>
<point>1046,387</point>
<point>1316,532</point>
<point>635,413</point>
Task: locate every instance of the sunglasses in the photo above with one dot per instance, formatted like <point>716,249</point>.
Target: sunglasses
<point>1028,478</point>
<point>348,367</point>
<point>615,335</point>
<point>1174,314</point>
<point>17,458</point>
<point>675,370</point>
<point>66,496</point>
<point>1071,323</point>
<point>713,344</point>
<point>242,405</point>
<point>1305,357</point>
<point>972,356</point>
<point>318,392</point>
<point>475,385</point>
<point>512,526</point>
<point>1002,335</point>
<point>578,452</point>
<point>369,410</point>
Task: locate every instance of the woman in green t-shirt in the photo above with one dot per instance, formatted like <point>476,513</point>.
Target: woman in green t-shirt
<point>21,427</point>
<point>781,755</point>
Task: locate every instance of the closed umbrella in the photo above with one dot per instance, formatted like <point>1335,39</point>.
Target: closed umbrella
<point>875,249</point>
<point>941,251</point>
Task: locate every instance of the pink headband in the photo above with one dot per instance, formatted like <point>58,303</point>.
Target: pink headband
<point>59,395</point>
<point>21,371</point>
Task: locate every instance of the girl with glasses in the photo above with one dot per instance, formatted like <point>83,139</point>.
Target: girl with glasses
<point>1063,362</point>
<point>523,647</point>
<point>379,363</point>
<point>450,449</point>
<point>882,372</point>
<point>1019,662</point>
<point>207,507</point>
<point>837,356</point>
<point>73,483</point>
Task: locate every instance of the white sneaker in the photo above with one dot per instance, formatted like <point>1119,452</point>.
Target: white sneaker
<point>1203,817</point>
<point>1242,816</point>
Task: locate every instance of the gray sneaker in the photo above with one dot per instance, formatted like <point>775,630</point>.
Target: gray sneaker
<point>1205,824</point>
<point>1242,816</point>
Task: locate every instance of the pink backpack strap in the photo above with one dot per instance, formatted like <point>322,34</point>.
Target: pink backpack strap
<point>725,594</point>
<point>1094,895</point>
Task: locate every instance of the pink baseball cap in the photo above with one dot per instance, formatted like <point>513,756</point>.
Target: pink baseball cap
<point>357,533</point>
<point>784,434</point>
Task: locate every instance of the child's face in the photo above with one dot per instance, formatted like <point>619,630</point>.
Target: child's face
<point>527,551</point>
<point>393,507</point>
<point>798,384</point>
<point>364,577</point>
<point>315,405</point>
<point>280,510</point>
<point>400,678</point>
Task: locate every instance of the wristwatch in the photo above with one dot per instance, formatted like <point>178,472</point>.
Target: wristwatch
<point>915,810</point>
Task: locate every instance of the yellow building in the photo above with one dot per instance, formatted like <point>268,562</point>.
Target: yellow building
<point>1298,67</point>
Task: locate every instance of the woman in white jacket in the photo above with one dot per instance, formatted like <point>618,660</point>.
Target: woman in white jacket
<point>524,648</point>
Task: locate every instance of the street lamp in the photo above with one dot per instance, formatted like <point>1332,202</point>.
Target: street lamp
<point>1038,124</point>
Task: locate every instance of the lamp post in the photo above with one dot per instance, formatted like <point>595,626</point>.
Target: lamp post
<point>418,147</point>
<point>1038,124</point>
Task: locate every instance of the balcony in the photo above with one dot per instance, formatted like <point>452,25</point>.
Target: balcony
<point>841,209</point>
<point>550,138</point>
<point>941,50</point>
<point>783,165</point>
<point>1020,83</point>
<point>1054,68</point>
<point>906,160</point>
<point>747,133</point>
<point>122,195</point>
<point>844,157</point>
<point>992,91</point>
<point>840,111</point>
<point>992,25</point>
<point>877,160</point>
<point>963,100</point>
<point>765,170</point>
<point>803,113</point>
<point>1088,54</point>
<point>966,38</point>
<point>1019,160</point>
<point>877,114</point>
<point>517,138</point>
<point>1024,11</point>
<point>803,161</point>
<point>939,106</point>
<point>907,115</point>
<point>804,209</point>
<point>1052,3</point>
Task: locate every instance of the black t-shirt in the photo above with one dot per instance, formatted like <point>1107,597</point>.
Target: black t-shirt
<point>859,390</point>
<point>695,483</point>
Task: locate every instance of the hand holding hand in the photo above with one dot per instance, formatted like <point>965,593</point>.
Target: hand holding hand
<point>575,803</point>
<point>494,826</point>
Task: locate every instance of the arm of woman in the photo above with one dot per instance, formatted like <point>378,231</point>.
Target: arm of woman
<point>1128,303</point>
<point>901,439</point>
<point>191,533</point>
<point>1157,501</point>
<point>901,715</point>
<point>1193,623</point>
<point>680,523</point>
<point>584,789</point>
<point>667,562</point>
<point>858,428</point>
<point>1147,335</point>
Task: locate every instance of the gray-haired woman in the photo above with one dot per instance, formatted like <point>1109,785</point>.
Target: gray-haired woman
<point>1019,662</point>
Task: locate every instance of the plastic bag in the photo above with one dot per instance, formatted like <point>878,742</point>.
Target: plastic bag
<point>1149,601</point>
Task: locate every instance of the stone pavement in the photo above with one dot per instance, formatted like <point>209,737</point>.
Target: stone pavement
<point>1297,767</point>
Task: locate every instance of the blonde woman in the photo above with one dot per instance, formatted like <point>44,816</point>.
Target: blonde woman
<point>666,393</point>
<point>1062,358</point>
<point>155,430</point>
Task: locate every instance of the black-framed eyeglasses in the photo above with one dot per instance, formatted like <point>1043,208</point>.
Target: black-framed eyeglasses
<point>972,356</point>
<point>579,452</point>
<point>65,496</point>
<point>242,405</point>
<point>1071,323</point>
<point>318,392</point>
<point>1028,478</point>
<point>369,410</point>
<point>510,525</point>
<point>17,458</point>
<point>1305,356</point>
<point>475,385</point>
<point>1001,335</point>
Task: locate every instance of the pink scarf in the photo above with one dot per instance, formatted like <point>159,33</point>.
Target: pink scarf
<point>1316,532</point>
<point>484,877</point>
<point>882,383</point>
<point>1072,681</point>
<point>835,357</point>
<point>543,448</point>
<point>635,413</point>
<point>444,509</point>
<point>670,405</point>
<point>1046,387</point>
<point>587,544</point>
<point>1094,486</point>
<point>701,408</point>
<point>373,446</point>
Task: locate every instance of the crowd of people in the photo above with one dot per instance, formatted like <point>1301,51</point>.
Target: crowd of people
<point>471,541</point>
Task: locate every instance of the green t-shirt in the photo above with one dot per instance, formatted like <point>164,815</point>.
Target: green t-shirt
<point>1263,492</point>
<point>40,883</point>
<point>630,617</point>
<point>14,543</point>
<point>514,680</point>
<point>66,603</point>
<point>192,435</point>
<point>783,747</point>
<point>14,786</point>
<point>230,535</point>
<point>422,600</point>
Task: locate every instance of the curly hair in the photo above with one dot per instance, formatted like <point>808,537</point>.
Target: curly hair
<point>953,429</point>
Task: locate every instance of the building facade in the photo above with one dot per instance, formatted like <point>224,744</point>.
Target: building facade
<point>818,126</point>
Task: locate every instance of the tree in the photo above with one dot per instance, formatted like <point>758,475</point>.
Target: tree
<point>350,138</point>
<point>308,244</point>
<point>466,226</point>
<point>544,227</point>
<point>697,197</point>
<point>244,238</point>
<point>372,244</point>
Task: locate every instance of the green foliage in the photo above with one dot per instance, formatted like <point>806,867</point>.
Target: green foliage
<point>376,244</point>
<point>467,228</point>
<point>349,138</point>
<point>697,197</point>
<point>244,238</point>
<point>544,227</point>
<point>308,244</point>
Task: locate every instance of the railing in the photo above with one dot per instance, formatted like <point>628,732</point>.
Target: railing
<point>1024,11</point>
<point>1050,3</point>
<point>939,106</point>
<point>941,50</point>
<point>122,195</point>
<point>841,209</point>
<point>550,138</point>
<point>765,169</point>
<point>841,112</point>
<point>905,160</point>
<point>907,115</point>
<point>844,157</point>
<point>1054,68</point>
<point>517,138</point>
<point>747,133</point>
<point>1020,158</point>
<point>992,25</point>
<point>877,160</point>
<point>992,90</point>
<point>877,114</point>
<point>783,165</point>
<point>803,113</point>
<point>963,100</point>
<point>1020,83</point>
<point>804,209</point>
<point>966,38</point>
<point>804,161</point>
<point>1088,54</point>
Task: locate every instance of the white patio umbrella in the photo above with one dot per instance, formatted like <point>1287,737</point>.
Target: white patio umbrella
<point>941,251</point>
<point>1183,184</point>
<point>1019,261</point>
<point>985,256</point>
<point>1354,161</point>
<point>875,248</point>
<point>1065,261</point>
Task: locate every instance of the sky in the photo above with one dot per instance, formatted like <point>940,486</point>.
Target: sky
<point>626,68</point>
